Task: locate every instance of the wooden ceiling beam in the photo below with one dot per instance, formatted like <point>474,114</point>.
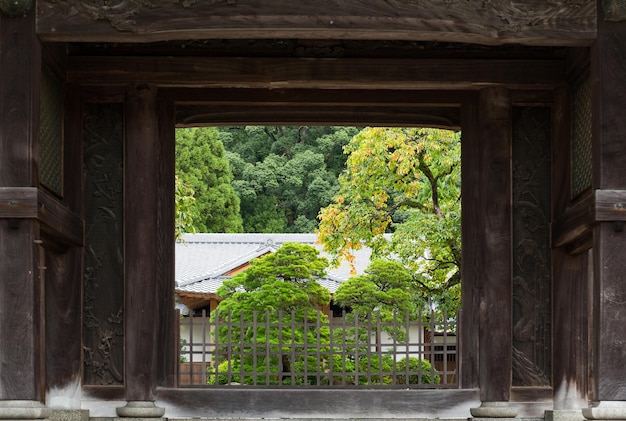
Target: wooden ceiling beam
<point>211,115</point>
<point>495,22</point>
<point>317,73</point>
<point>315,97</point>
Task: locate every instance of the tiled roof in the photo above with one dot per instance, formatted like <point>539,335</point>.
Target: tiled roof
<point>202,260</point>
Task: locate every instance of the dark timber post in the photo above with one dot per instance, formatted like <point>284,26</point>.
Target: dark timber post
<point>141,183</point>
<point>491,267</point>
<point>22,353</point>
<point>570,283</point>
<point>608,70</point>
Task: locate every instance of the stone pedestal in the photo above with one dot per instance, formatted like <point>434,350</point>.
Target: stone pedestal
<point>494,410</point>
<point>140,409</point>
<point>606,410</point>
<point>564,415</point>
<point>23,410</point>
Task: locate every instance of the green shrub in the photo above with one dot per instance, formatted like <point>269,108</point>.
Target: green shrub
<point>414,372</point>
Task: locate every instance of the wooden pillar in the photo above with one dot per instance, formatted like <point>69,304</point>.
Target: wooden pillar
<point>141,245</point>
<point>608,70</point>
<point>490,269</point>
<point>22,368</point>
<point>570,281</point>
<point>168,346</point>
<point>472,256</point>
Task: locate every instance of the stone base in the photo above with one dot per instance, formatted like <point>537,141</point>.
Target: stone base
<point>140,409</point>
<point>494,410</point>
<point>606,410</point>
<point>565,415</point>
<point>23,410</point>
<point>69,415</point>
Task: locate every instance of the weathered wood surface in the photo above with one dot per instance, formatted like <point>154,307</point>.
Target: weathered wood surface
<point>64,273</point>
<point>493,264</point>
<point>610,205</point>
<point>165,306</point>
<point>18,202</point>
<point>441,117</point>
<point>578,220</point>
<point>291,106</point>
<point>608,68</point>
<point>558,22</point>
<point>63,311</point>
<point>317,73</point>
<point>141,243</point>
<point>570,329</point>
<point>21,324</point>
<point>473,259</point>
<point>30,202</point>
<point>245,403</point>
<point>574,222</point>
<point>570,276</point>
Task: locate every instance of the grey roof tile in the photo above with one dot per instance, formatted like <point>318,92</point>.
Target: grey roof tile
<point>203,259</point>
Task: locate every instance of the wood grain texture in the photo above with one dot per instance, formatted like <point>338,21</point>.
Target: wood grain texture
<point>167,328</point>
<point>441,117</point>
<point>30,202</point>
<point>473,258</point>
<point>493,241</point>
<point>141,242</point>
<point>57,220</point>
<point>608,66</point>
<point>63,317</point>
<point>570,273</point>
<point>245,403</point>
<point>570,329</point>
<point>18,202</point>
<point>21,372</point>
<point>317,73</point>
<point>574,222</point>
<point>610,205</point>
<point>558,22</point>
<point>19,313</point>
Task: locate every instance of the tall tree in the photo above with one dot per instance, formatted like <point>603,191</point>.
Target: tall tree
<point>201,164</point>
<point>284,175</point>
<point>381,293</point>
<point>405,181</point>
<point>184,201</point>
<point>278,289</point>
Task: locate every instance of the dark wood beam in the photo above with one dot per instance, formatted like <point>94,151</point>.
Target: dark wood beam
<point>610,205</point>
<point>315,97</point>
<point>322,73</point>
<point>30,202</point>
<point>141,243</point>
<point>21,289</point>
<point>472,21</point>
<point>574,226</point>
<point>609,175</point>
<point>199,115</point>
<point>491,213</point>
<point>575,222</point>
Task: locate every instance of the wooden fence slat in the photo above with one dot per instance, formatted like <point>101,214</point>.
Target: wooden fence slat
<point>291,357</point>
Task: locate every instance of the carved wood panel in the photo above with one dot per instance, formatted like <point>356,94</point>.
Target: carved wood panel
<point>539,22</point>
<point>532,283</point>
<point>103,279</point>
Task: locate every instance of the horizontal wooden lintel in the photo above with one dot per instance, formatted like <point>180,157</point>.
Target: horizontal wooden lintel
<point>575,225</point>
<point>317,73</point>
<point>440,117</point>
<point>18,202</point>
<point>34,203</point>
<point>528,22</point>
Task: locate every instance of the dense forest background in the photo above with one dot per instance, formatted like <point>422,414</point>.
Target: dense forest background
<point>260,178</point>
